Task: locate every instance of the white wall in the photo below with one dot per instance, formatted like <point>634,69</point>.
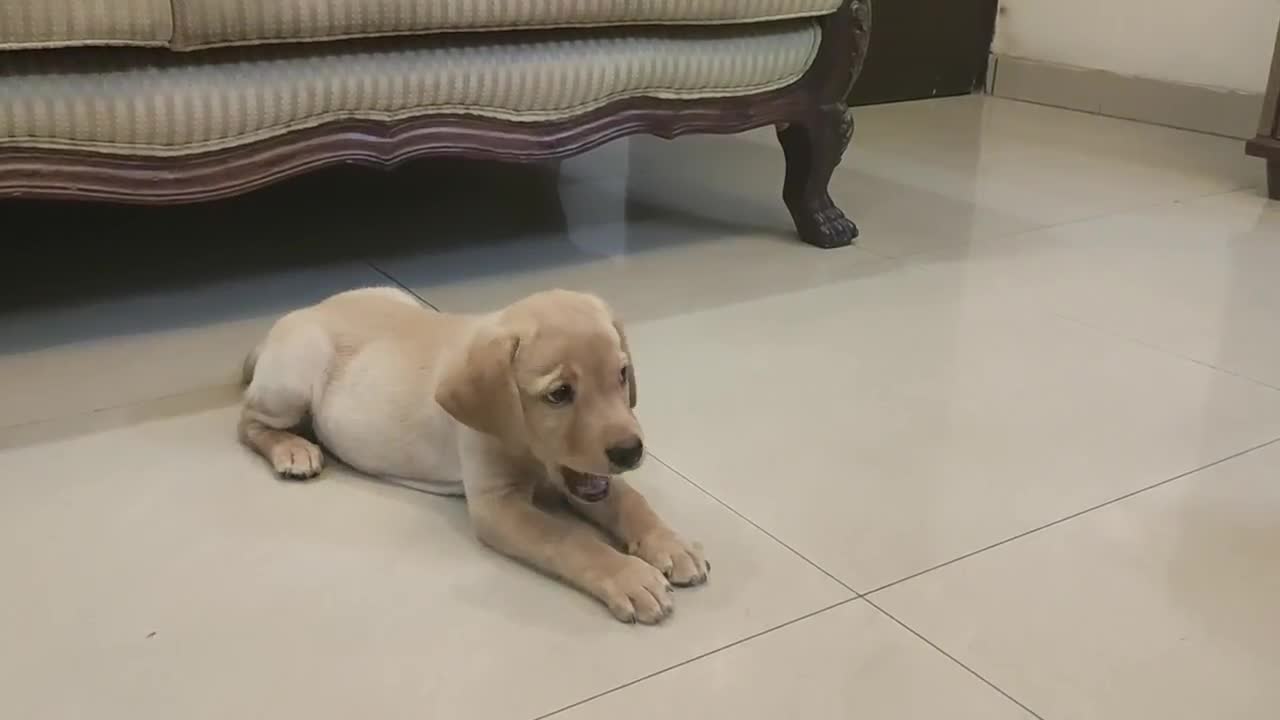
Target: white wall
<point>1224,44</point>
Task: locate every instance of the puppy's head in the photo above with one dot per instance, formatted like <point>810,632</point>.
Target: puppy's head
<point>552,375</point>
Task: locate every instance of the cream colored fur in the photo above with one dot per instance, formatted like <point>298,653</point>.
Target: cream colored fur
<point>469,405</point>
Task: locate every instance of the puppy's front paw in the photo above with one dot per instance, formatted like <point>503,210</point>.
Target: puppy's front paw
<point>297,459</point>
<point>680,560</point>
<point>637,592</point>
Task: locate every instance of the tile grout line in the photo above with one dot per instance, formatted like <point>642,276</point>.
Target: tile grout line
<point>400,285</point>
<point>698,657</point>
<point>1156,348</point>
<point>867,595</point>
<point>1099,114</point>
<point>1072,516</point>
<point>940,253</point>
<point>753,524</point>
<point>126,405</point>
<point>953,659</point>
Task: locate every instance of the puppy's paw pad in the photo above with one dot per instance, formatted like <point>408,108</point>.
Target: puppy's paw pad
<point>297,459</point>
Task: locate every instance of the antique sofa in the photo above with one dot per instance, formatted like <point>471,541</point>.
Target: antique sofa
<point>173,101</point>
<point>1267,144</point>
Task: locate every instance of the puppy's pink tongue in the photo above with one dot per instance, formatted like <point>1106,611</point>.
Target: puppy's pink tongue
<point>595,483</point>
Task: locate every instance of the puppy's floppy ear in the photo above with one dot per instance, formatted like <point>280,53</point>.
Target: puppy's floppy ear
<point>631,365</point>
<point>478,386</point>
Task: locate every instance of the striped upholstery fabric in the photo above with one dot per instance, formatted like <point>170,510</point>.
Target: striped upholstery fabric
<point>69,23</point>
<point>204,23</point>
<point>154,102</point>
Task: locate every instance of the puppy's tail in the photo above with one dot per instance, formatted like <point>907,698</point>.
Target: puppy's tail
<point>250,362</point>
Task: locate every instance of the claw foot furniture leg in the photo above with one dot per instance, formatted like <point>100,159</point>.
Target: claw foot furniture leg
<point>813,150</point>
<point>815,139</point>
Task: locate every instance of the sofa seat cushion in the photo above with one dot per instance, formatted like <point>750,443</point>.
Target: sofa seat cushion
<point>155,102</point>
<point>204,23</point>
<point>68,23</point>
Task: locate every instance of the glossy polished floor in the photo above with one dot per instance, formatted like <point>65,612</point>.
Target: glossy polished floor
<point>1015,455</point>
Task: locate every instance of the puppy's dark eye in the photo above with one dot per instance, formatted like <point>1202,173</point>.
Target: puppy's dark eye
<point>559,395</point>
<point>623,377</point>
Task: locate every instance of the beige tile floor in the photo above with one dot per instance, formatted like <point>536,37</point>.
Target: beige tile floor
<point>1015,455</point>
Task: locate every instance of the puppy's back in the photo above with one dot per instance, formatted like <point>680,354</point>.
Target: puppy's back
<point>356,318</point>
<point>348,323</point>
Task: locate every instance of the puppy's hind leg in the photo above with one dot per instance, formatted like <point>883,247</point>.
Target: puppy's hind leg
<point>293,456</point>
<point>284,375</point>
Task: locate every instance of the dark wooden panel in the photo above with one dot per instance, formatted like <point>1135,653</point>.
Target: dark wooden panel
<point>926,48</point>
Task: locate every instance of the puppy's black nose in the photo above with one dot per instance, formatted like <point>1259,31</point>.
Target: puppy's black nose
<point>626,455</point>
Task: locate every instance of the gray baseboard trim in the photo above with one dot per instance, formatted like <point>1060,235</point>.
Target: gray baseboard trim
<point>1192,107</point>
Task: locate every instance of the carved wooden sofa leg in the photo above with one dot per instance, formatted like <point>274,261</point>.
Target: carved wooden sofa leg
<point>813,150</point>
<point>815,139</point>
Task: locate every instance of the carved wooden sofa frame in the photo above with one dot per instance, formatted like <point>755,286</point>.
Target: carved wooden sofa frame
<point>813,121</point>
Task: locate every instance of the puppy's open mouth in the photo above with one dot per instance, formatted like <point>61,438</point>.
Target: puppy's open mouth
<point>585,486</point>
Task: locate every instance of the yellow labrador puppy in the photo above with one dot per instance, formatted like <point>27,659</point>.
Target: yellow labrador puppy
<point>494,407</point>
